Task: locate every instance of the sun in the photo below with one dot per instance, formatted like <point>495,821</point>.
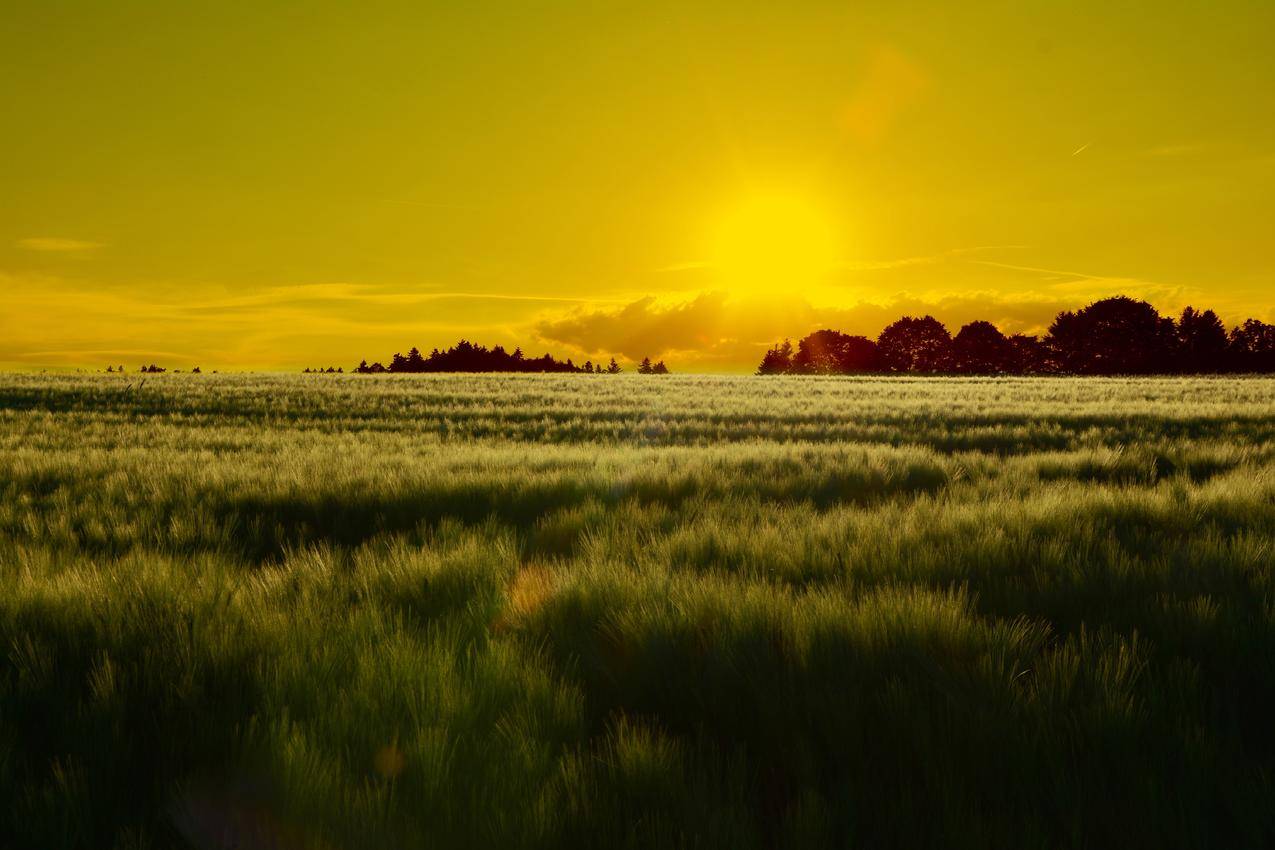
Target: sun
<point>769,243</point>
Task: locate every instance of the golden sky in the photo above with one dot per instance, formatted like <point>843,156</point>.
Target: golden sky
<point>282,184</point>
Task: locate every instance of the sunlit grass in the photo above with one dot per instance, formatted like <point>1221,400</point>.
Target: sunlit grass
<point>594,611</point>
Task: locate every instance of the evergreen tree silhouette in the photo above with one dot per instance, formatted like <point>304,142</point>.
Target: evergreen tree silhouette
<point>468,356</point>
<point>1202,342</point>
<point>778,360</point>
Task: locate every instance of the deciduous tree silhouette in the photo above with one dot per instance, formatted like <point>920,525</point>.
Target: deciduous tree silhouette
<point>659,369</point>
<point>1031,355</point>
<point>1251,347</point>
<point>1115,336</point>
<point>830,352</point>
<point>915,345</point>
<point>980,348</point>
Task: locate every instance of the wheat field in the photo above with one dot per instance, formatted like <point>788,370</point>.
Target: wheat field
<point>350,611</point>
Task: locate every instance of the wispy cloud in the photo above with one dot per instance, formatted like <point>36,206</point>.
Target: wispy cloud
<point>362,294</point>
<point>58,245</point>
<point>52,321</point>
<point>63,355</point>
<point>924,260</point>
<point>864,265</point>
<point>688,266</point>
<point>1063,275</point>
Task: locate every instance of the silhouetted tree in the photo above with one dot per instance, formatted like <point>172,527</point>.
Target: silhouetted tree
<point>834,353</point>
<point>1030,355</point>
<point>659,369</point>
<point>588,367</point>
<point>1202,341</point>
<point>1115,336</point>
<point>644,368</point>
<point>1251,347</point>
<point>915,345</point>
<point>613,368</point>
<point>466,356</point>
<point>980,348</point>
<point>778,360</point>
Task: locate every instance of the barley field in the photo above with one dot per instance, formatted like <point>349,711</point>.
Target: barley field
<point>266,611</point>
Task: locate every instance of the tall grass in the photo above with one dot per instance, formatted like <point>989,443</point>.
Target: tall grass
<point>265,611</point>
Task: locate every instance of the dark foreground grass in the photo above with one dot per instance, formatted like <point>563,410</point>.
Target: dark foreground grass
<point>448,612</point>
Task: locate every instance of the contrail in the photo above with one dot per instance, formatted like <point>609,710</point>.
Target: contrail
<point>1078,151</point>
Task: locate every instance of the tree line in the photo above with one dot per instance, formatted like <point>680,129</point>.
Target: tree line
<point>466,356</point>
<point>1114,336</point>
<point>152,369</point>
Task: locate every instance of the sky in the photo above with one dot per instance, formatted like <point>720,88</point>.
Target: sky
<point>272,185</point>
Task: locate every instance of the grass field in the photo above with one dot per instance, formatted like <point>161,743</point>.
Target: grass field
<point>501,612</point>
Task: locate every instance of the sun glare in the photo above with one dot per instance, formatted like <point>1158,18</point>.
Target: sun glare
<point>772,242</point>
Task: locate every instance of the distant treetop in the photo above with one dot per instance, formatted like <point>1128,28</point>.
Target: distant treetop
<point>1114,336</point>
<point>466,356</point>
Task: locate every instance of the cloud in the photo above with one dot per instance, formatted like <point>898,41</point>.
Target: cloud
<point>646,326</point>
<point>716,331</point>
<point>719,330</point>
<point>925,260</point>
<point>57,245</point>
<point>57,321</point>
<point>1082,284</point>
